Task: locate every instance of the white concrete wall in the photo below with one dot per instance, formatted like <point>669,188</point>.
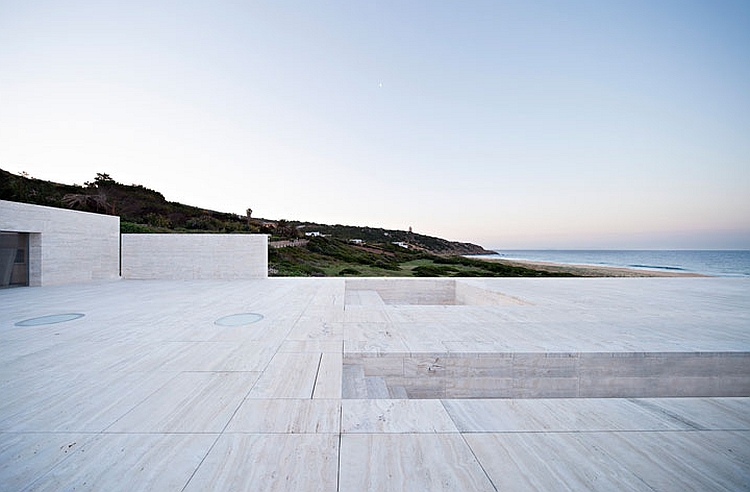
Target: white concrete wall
<point>194,256</point>
<point>546,375</point>
<point>65,246</point>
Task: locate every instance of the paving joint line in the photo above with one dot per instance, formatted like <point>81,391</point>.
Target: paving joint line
<point>317,373</point>
<point>463,438</point>
<point>341,437</point>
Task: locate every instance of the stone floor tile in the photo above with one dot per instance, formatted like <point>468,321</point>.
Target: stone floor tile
<point>285,415</point>
<point>395,416</point>
<point>24,457</point>
<point>269,462</point>
<point>65,402</point>
<point>328,384</point>
<point>705,413</point>
<point>310,330</point>
<point>399,462</point>
<point>551,462</point>
<point>314,346</point>
<point>288,375</point>
<point>555,415</point>
<point>129,462</point>
<point>191,402</point>
<point>696,460</point>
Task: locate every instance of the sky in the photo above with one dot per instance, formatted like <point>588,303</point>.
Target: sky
<point>511,124</point>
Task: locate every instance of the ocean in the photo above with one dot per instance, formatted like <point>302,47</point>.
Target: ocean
<point>721,263</point>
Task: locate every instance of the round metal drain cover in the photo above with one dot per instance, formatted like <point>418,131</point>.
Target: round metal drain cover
<point>239,319</point>
<point>50,320</point>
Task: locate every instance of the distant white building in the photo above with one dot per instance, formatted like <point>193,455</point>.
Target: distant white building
<point>313,234</point>
<point>356,241</point>
<point>401,243</point>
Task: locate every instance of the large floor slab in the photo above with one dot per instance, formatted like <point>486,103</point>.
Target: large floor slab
<point>287,416</point>
<point>374,386</point>
<point>128,462</point>
<point>272,462</point>
<point>395,416</point>
<point>664,461</point>
<point>410,462</point>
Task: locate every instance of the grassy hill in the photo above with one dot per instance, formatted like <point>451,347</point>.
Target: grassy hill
<point>140,209</point>
<point>332,250</point>
<point>330,257</point>
<point>377,235</point>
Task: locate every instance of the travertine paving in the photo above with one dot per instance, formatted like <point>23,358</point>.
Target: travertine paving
<point>378,384</point>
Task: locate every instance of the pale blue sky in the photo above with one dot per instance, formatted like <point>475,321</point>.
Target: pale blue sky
<point>511,124</point>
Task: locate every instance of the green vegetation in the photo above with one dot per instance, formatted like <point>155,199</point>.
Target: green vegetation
<point>374,235</point>
<point>327,257</point>
<point>330,254</point>
<point>140,209</point>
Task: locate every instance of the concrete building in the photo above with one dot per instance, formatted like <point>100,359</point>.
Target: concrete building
<point>50,246</point>
<point>56,246</point>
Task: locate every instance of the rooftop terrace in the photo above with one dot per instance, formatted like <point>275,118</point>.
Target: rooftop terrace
<point>377,384</point>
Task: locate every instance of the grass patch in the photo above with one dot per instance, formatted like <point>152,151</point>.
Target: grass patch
<point>332,258</point>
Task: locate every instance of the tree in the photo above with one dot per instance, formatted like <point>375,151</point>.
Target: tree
<point>103,178</point>
<point>99,180</point>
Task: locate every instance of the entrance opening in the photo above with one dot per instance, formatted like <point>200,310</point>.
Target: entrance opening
<point>14,259</point>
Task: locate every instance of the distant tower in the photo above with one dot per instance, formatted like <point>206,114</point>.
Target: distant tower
<point>409,229</point>
<point>249,213</point>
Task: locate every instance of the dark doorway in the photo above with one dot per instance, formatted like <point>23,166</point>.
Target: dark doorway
<point>14,259</point>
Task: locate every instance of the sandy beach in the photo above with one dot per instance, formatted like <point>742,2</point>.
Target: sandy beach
<point>591,270</point>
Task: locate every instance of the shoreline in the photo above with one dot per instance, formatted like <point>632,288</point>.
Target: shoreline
<point>590,270</point>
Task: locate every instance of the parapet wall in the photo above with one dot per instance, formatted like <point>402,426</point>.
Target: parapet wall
<point>65,246</point>
<point>194,256</point>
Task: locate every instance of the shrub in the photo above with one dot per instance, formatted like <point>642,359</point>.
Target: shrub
<point>157,220</point>
<point>433,271</point>
<point>132,228</point>
<point>386,266</point>
<point>204,223</point>
<point>449,260</point>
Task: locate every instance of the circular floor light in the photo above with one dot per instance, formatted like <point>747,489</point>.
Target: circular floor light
<point>50,320</point>
<point>239,319</point>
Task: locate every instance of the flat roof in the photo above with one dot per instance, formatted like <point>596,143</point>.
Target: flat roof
<point>377,384</point>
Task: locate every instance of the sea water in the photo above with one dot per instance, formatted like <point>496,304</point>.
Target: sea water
<point>720,263</point>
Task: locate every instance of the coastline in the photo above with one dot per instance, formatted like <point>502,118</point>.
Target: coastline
<point>590,270</point>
